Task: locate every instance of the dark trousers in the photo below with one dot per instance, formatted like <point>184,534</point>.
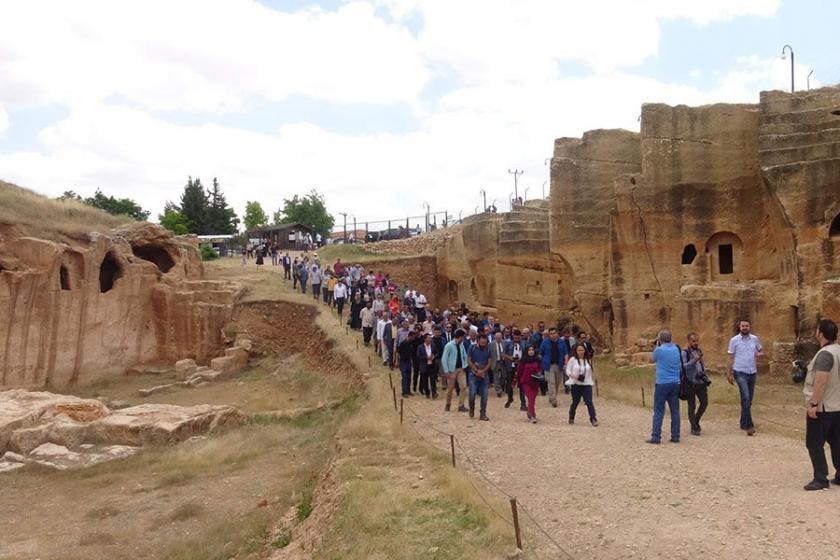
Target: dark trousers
<point>295,281</point>
<point>326,293</point>
<point>421,315</point>
<point>415,378</point>
<point>287,272</point>
<point>367,332</point>
<point>825,428</point>
<point>316,290</point>
<point>339,305</point>
<point>428,379</point>
<point>543,387</point>
<point>746,386</point>
<point>582,392</point>
<point>405,376</point>
<point>697,393</point>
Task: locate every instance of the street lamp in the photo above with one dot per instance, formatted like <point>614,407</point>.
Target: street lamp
<point>526,192</point>
<point>516,173</point>
<point>484,196</point>
<point>784,56</point>
<point>808,79</point>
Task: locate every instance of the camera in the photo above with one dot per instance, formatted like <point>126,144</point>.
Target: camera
<point>799,371</point>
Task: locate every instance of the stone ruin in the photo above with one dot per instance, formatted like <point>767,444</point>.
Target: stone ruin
<point>707,215</point>
<point>92,308</point>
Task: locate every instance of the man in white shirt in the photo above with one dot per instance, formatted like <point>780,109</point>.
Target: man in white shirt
<point>744,348</point>
<point>420,306</point>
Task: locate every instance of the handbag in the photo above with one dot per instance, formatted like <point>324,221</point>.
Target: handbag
<point>685,390</point>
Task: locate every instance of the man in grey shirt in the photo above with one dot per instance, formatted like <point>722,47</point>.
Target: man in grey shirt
<point>822,402</point>
<point>698,381</point>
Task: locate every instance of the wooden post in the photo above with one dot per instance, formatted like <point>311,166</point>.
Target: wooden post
<point>452,447</point>
<point>643,396</point>
<point>516,523</point>
<point>394,391</point>
<point>357,344</point>
<point>369,364</point>
<point>346,329</point>
<point>391,378</point>
<point>597,392</point>
<point>401,411</point>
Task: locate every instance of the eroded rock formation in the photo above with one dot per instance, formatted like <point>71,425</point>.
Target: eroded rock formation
<point>79,311</point>
<point>708,214</point>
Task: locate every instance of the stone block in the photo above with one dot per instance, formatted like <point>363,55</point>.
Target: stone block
<point>185,367</point>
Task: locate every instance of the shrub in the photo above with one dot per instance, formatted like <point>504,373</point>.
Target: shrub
<point>208,253</point>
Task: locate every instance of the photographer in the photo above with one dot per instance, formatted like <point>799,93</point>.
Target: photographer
<point>698,382</point>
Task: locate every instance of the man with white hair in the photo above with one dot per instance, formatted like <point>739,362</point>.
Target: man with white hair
<point>667,358</point>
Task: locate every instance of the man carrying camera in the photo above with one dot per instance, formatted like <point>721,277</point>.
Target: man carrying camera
<point>698,382</point>
<point>822,398</point>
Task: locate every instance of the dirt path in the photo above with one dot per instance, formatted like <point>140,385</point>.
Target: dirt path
<point>604,493</point>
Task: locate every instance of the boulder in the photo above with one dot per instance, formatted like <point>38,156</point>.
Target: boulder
<point>185,367</point>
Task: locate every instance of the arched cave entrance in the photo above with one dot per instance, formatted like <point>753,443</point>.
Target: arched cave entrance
<point>453,291</point>
<point>724,249</point>
<point>155,254</point>
<point>689,254</point>
<point>109,272</point>
<point>64,278</point>
<point>834,228</point>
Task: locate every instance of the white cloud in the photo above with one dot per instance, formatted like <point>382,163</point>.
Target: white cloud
<point>217,56</point>
<point>4,120</point>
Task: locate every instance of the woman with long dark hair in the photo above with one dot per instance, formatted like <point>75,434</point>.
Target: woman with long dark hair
<point>579,379</point>
<point>528,377</point>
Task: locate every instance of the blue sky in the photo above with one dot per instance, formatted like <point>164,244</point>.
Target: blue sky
<point>381,105</point>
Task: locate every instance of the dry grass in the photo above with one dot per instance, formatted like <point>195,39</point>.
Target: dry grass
<point>58,220</point>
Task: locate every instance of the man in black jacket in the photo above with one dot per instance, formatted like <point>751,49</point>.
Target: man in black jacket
<point>407,351</point>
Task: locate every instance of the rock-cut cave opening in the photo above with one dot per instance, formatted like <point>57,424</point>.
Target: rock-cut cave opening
<point>109,272</point>
<point>155,254</point>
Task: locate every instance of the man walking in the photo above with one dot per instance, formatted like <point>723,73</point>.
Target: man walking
<point>454,361</point>
<point>405,350</point>
<point>667,358</point>
<point>822,398</point>
<point>479,360</point>
<point>340,296</point>
<point>554,355</point>
<point>368,322</point>
<point>744,348</point>
<point>698,382</point>
<point>500,364</point>
<point>287,267</point>
<point>315,278</point>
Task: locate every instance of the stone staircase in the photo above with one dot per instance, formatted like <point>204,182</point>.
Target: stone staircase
<point>525,229</point>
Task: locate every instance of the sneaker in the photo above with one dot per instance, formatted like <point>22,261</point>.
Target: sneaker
<point>750,431</point>
<point>462,408</point>
<point>507,404</point>
<point>447,407</point>
<point>484,417</point>
<point>472,413</point>
<point>816,485</point>
<point>653,441</point>
<point>554,404</point>
<point>674,440</point>
<point>534,420</point>
<point>695,432</point>
<point>594,423</point>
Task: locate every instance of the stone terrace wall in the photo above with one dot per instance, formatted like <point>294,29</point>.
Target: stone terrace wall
<point>74,314</point>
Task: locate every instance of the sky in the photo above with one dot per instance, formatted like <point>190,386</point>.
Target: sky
<point>382,106</point>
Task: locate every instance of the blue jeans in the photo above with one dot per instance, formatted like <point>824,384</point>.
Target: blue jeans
<point>662,393</point>
<point>405,375</point>
<point>746,386</point>
<point>478,385</point>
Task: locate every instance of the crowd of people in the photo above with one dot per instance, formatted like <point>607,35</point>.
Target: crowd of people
<point>463,354</point>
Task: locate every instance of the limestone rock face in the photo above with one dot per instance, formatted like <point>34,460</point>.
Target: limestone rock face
<point>708,215</point>
<point>77,313</point>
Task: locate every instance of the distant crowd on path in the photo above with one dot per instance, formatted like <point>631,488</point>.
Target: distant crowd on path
<point>471,352</point>
<point>260,252</point>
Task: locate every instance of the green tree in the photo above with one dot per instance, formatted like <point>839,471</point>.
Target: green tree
<point>69,195</point>
<point>254,215</point>
<point>219,217</point>
<point>116,206</point>
<point>173,220</point>
<point>310,210</point>
<point>194,204</point>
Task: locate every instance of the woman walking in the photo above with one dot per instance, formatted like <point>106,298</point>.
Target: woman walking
<point>579,378</point>
<point>527,376</point>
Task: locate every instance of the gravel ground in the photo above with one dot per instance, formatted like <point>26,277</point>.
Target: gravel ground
<point>604,493</point>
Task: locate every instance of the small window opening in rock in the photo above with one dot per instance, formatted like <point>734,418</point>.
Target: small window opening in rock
<point>647,296</point>
<point>834,230</point>
<point>109,272</point>
<point>632,180</point>
<point>689,254</point>
<point>725,259</point>
<point>64,277</point>
<point>155,254</point>
<point>836,112</point>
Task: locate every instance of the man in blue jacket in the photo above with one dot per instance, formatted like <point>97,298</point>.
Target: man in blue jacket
<point>667,358</point>
<point>454,363</point>
<point>554,354</point>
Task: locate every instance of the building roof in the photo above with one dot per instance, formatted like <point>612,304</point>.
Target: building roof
<point>281,227</point>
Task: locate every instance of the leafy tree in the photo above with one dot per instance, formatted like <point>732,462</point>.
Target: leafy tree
<point>219,217</point>
<point>208,253</point>
<point>254,215</point>
<point>194,203</point>
<point>116,206</point>
<point>70,195</point>
<point>173,220</point>
<point>310,210</point>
